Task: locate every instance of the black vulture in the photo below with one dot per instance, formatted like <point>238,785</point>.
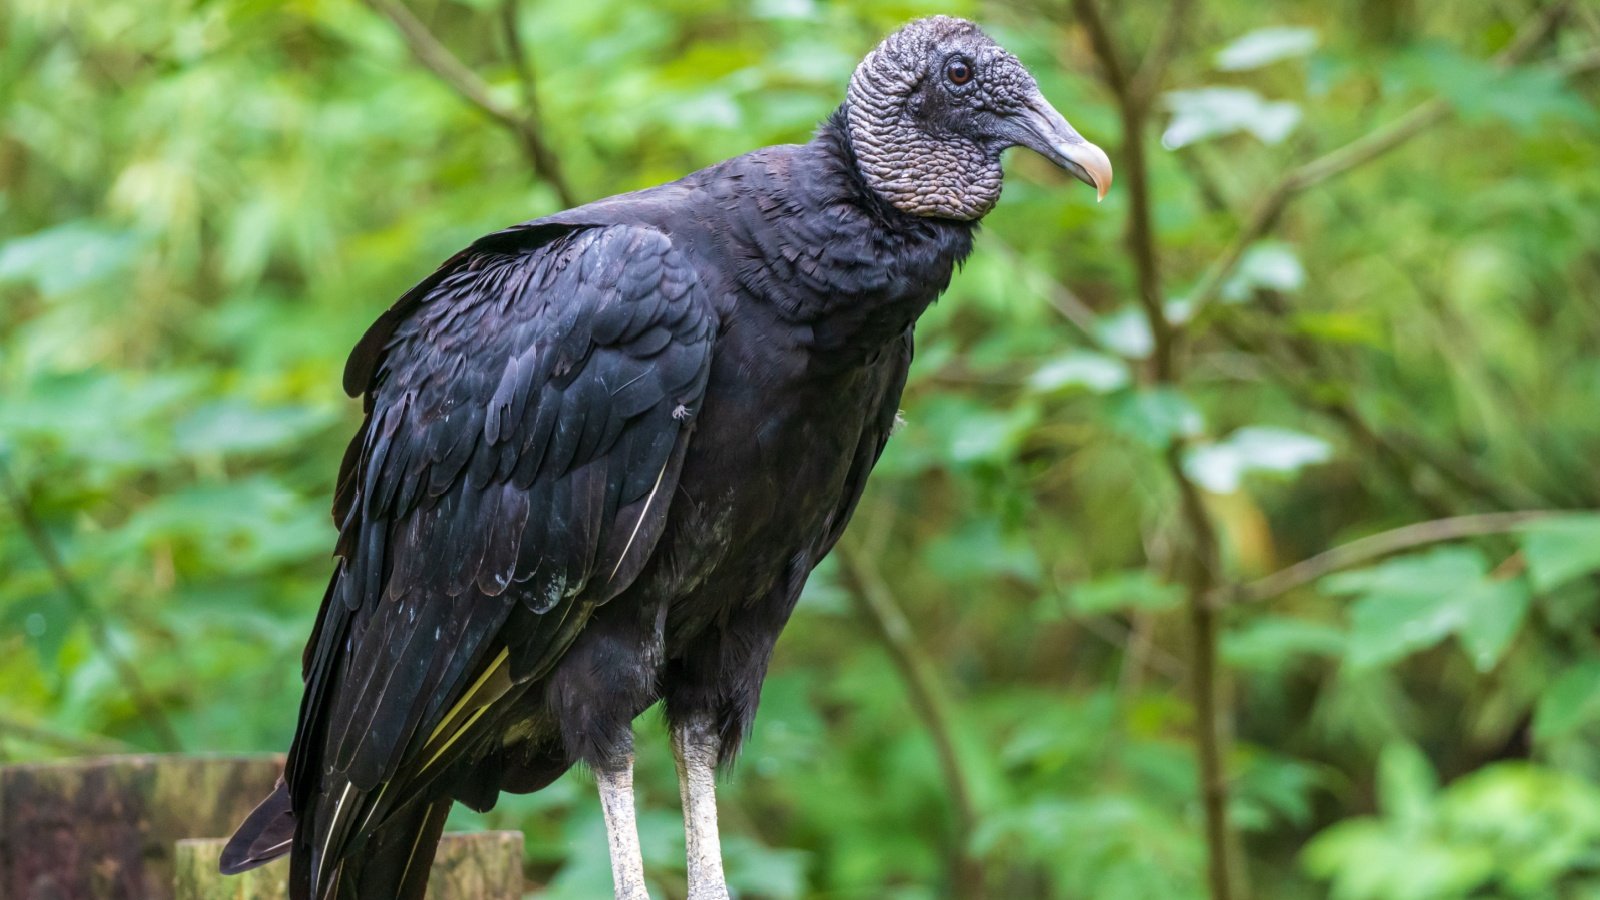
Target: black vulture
<point>603,450</point>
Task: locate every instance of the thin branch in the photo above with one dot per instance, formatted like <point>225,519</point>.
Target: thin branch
<point>1272,204</point>
<point>1399,456</point>
<point>1384,543</point>
<point>1532,34</point>
<point>510,26</point>
<point>1174,24</point>
<point>1402,454</point>
<point>437,58</point>
<point>1273,345</point>
<point>1198,563</point>
<point>1357,153</point>
<point>1134,164</point>
<point>546,162</point>
<point>1105,48</point>
<point>877,604</point>
<point>1123,637</point>
<point>44,546</point>
<point>1199,568</point>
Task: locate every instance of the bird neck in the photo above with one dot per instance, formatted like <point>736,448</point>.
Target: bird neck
<point>850,175</point>
<point>916,173</point>
<point>828,251</point>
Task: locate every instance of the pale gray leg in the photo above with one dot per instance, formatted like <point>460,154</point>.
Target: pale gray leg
<point>622,829</point>
<point>696,745</point>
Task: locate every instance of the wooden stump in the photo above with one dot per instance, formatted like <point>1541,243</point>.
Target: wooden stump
<point>104,828</point>
<point>485,865</point>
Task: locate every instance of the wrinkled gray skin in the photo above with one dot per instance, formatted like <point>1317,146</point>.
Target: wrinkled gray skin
<point>931,146</point>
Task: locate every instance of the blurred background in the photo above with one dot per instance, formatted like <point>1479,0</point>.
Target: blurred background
<point>1341,310</point>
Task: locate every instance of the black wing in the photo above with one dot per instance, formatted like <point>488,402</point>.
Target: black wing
<point>527,412</point>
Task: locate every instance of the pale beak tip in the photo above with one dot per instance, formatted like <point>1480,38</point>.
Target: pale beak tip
<point>1093,162</point>
<point>1100,171</point>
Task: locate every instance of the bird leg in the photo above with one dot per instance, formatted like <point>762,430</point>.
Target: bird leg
<point>622,829</point>
<point>695,744</point>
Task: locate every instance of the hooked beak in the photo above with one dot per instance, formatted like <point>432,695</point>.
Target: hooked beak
<point>1046,132</point>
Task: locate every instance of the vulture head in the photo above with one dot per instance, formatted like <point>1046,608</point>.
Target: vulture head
<point>931,109</point>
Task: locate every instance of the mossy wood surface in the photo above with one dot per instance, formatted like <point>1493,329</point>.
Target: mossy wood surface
<point>104,828</point>
<point>483,865</point>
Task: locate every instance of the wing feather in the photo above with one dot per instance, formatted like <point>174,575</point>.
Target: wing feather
<point>525,420</point>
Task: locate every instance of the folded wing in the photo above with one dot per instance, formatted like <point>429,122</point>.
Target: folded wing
<point>527,409</point>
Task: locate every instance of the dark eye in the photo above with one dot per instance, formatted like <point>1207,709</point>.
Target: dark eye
<point>959,71</point>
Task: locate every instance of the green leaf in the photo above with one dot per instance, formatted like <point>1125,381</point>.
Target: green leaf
<point>1388,627</point>
<point>1134,589</point>
<point>1280,788</point>
<point>757,870</point>
<point>1155,417</point>
<point>990,436</point>
<point>1268,643</point>
<point>1523,97</point>
<point>822,594</point>
<point>1205,113</point>
<point>1542,824</point>
<point>1095,372</point>
<point>1559,550</point>
<point>982,550</point>
<point>1220,467</point>
<point>1407,784</point>
<point>785,9</point>
<point>255,523</point>
<point>1494,613</point>
<point>227,427</point>
<point>1510,829</point>
<point>46,620</point>
<point>1265,46</point>
<point>66,257</point>
<point>953,431</point>
<point>1571,702</point>
<point>1267,265</point>
<point>1413,602</point>
<point>1126,332</point>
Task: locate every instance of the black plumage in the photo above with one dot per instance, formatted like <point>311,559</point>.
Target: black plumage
<point>602,452</point>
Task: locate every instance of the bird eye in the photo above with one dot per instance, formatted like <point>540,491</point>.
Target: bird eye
<point>959,71</point>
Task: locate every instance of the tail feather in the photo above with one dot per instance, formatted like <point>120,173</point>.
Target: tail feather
<point>400,856</point>
<point>393,862</point>
<point>264,835</point>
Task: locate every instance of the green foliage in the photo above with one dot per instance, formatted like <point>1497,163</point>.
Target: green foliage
<point>202,205</point>
<point>1123,591</point>
<point>1571,702</point>
<point>1411,603</point>
<point>1202,114</point>
<point>1220,466</point>
<point>1509,829</point>
<point>1265,46</point>
<point>1561,550</point>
